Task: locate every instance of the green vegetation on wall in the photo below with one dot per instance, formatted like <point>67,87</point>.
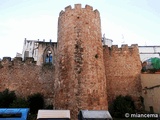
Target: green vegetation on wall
<point>122,105</point>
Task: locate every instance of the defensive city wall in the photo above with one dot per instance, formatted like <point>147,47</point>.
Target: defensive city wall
<point>123,70</point>
<point>26,78</point>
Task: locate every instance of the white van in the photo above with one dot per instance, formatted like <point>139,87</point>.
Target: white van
<point>53,115</point>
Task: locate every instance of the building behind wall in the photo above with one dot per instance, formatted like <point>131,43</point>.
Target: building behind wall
<point>41,51</point>
<point>147,52</point>
<point>106,41</point>
<point>30,49</point>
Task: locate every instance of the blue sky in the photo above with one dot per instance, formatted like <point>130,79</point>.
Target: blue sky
<point>123,21</point>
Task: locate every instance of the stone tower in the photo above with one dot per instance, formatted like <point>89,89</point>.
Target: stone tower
<point>80,74</point>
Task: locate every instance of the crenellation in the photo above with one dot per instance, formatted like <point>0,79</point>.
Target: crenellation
<point>17,61</point>
<point>123,50</point>
<point>68,8</point>
<point>105,46</point>
<point>29,60</point>
<point>131,50</point>
<point>88,7</point>
<point>61,12</point>
<point>1,66</point>
<point>77,6</point>
<point>6,59</point>
<point>135,47</point>
<point>134,50</point>
<point>97,14</point>
<point>114,47</point>
<point>124,47</point>
<point>106,50</point>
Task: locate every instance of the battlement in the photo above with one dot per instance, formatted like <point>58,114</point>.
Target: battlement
<point>68,8</point>
<point>124,49</point>
<point>7,61</point>
<point>79,7</point>
<point>88,7</point>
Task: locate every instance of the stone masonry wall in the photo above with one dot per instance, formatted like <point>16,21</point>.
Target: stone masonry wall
<point>123,69</point>
<point>80,81</point>
<point>26,78</point>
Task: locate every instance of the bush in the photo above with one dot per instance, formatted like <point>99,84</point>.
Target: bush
<point>36,102</point>
<point>6,98</point>
<point>122,105</point>
<point>32,117</point>
<point>19,103</point>
<point>49,107</point>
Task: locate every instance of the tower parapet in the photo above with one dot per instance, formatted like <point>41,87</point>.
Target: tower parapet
<point>78,7</point>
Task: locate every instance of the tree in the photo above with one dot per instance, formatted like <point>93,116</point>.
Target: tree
<point>122,105</point>
<point>36,102</point>
<point>6,98</point>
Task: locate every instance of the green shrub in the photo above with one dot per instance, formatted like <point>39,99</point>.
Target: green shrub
<point>49,107</point>
<point>19,103</point>
<point>122,105</point>
<point>32,117</point>
<point>36,102</point>
<point>6,98</point>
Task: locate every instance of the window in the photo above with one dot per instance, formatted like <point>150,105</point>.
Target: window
<point>49,57</point>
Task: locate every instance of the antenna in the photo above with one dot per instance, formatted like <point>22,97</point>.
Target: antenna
<point>103,38</point>
<point>104,35</point>
<point>145,43</point>
<point>123,41</point>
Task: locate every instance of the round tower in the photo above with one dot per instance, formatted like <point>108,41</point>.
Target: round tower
<point>80,82</point>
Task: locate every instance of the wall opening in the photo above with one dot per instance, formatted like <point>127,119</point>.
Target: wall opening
<point>48,56</point>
